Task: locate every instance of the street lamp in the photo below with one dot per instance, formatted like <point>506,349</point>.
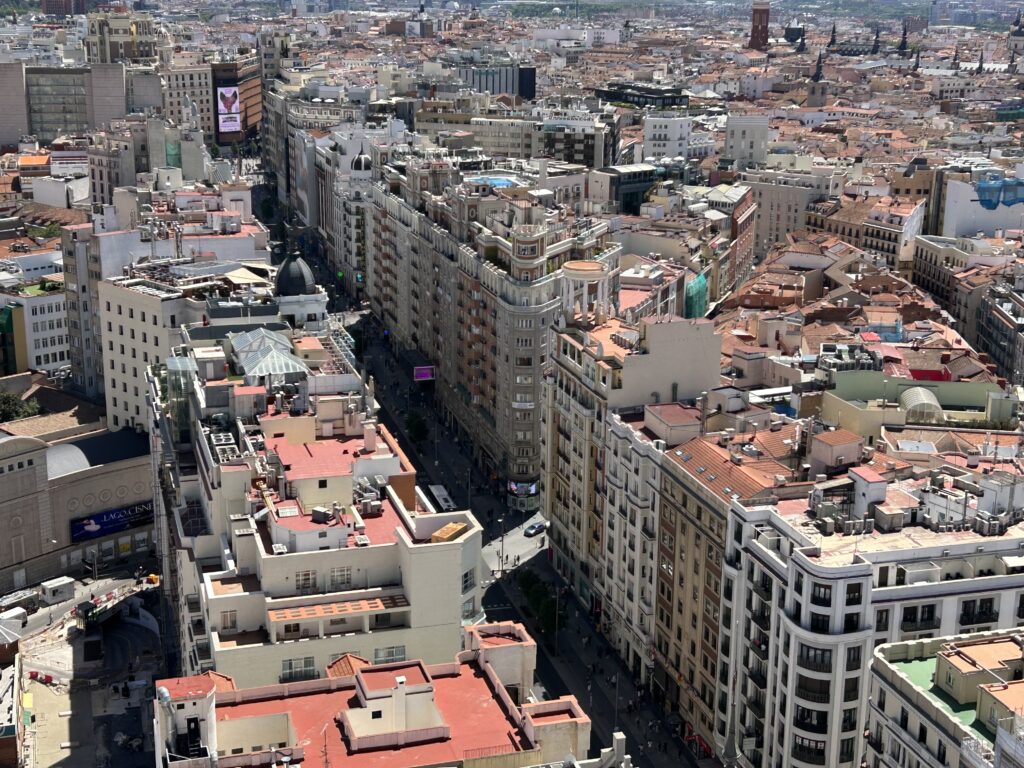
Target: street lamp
<point>501,555</point>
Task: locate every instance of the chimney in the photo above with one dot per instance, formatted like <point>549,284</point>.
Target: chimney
<point>370,436</point>
<point>400,705</point>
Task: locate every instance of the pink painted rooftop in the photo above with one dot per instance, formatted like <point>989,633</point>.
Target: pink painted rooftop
<point>466,701</point>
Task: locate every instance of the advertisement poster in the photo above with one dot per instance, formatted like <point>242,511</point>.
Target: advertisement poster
<point>111,521</point>
<point>229,109</point>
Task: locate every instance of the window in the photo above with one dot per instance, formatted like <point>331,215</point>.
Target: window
<point>228,621</point>
<point>291,629</point>
<point>821,594</point>
<point>853,594</point>
<point>321,483</point>
<point>389,654</point>
<point>819,622</point>
<point>853,658</point>
<point>468,580</point>
<point>882,620</point>
<point>340,578</point>
<point>305,582</point>
<point>297,669</point>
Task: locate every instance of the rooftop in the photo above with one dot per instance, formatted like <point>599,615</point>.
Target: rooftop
<point>466,701</point>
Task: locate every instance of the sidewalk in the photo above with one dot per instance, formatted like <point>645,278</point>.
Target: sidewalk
<point>603,685</point>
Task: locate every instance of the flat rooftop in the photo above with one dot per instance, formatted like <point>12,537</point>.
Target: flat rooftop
<point>839,549</point>
<point>921,673</point>
<point>466,701</point>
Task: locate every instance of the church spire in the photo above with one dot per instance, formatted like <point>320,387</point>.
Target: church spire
<point>832,38</point>
<point>903,40</point>
<point>816,77</point>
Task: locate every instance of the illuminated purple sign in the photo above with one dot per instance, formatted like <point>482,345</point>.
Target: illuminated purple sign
<point>423,373</point>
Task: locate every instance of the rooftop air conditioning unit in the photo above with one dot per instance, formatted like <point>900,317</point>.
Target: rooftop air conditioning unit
<point>320,515</point>
<point>362,541</point>
<point>279,549</point>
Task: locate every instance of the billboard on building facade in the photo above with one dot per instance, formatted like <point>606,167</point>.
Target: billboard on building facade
<point>229,109</point>
<point>111,521</point>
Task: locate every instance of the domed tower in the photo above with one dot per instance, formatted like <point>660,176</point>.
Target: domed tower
<point>362,165</point>
<point>294,277</point>
<point>301,302</point>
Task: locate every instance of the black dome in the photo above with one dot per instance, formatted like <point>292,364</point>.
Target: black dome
<point>362,162</point>
<point>294,277</point>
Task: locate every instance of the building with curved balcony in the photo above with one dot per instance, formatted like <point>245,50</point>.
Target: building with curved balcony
<point>812,585</point>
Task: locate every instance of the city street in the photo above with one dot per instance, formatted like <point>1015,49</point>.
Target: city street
<point>586,667</point>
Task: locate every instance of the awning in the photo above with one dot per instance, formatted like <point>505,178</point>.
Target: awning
<point>1013,561</point>
<point>243,276</point>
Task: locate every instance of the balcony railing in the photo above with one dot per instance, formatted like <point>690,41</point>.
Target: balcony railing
<point>762,619</point>
<point>815,665</point>
<point>921,625</point>
<point>812,756</point>
<point>818,697</point>
<point>757,707</point>
<point>979,617</point>
<point>811,727</point>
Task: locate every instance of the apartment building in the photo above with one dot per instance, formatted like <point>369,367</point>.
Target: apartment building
<point>746,139</point>
<point>813,583</point>
<point>601,475</point>
<point>1001,329</point>
<point>141,315</point>
<point>120,35</point>
<point>783,197</point>
<point>286,111</point>
<point>942,264</point>
<point>573,136</point>
<point>100,251</point>
<point>884,228</point>
<point>298,533</point>
<point>467,274</point>
<point>275,49</point>
<point>667,134</point>
<point>188,96</point>
<point>468,712</point>
<point>949,700</point>
<point>34,331</point>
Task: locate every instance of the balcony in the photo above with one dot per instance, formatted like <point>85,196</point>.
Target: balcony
<point>762,619</point>
<point>922,625</point>
<point>760,651</point>
<point>812,727</point>
<point>192,604</point>
<point>758,679</point>
<point>812,756</point>
<point>756,705</point>
<point>764,591</point>
<point>979,617</point>
<point>818,697</point>
<point>815,665</point>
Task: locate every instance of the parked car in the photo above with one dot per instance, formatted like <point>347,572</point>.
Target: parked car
<point>535,529</point>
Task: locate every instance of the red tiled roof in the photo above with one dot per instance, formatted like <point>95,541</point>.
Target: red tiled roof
<point>838,437</point>
<point>346,665</point>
